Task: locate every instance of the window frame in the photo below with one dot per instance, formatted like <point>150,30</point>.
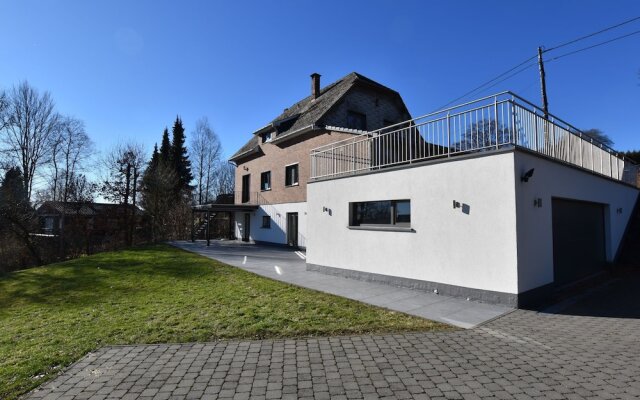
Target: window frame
<point>286,175</point>
<point>267,219</point>
<point>262,181</point>
<point>393,215</point>
<point>267,137</point>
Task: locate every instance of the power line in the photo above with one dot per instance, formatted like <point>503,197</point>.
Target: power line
<point>594,45</point>
<point>486,83</point>
<point>511,76</point>
<point>591,34</point>
<point>496,80</point>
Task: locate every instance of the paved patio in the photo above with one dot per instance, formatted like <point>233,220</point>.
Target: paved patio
<point>572,354</point>
<point>288,266</point>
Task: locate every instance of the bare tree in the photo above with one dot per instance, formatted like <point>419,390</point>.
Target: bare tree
<point>30,125</point>
<point>224,182</point>
<point>123,166</point>
<point>70,149</point>
<point>206,150</point>
<point>4,105</point>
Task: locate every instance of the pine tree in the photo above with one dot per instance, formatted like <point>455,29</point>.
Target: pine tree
<point>165,148</point>
<point>155,158</point>
<point>180,158</point>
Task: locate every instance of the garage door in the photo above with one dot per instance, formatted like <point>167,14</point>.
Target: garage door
<point>578,239</point>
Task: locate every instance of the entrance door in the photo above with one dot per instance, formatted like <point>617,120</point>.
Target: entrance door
<point>578,239</point>
<point>292,229</point>
<point>246,232</point>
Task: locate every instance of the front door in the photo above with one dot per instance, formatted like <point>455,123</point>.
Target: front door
<point>246,232</point>
<point>292,229</point>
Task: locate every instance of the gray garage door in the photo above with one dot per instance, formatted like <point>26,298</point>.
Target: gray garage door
<point>578,239</point>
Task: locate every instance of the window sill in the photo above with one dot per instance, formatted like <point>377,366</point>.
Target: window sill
<point>265,190</point>
<point>294,185</point>
<point>381,228</point>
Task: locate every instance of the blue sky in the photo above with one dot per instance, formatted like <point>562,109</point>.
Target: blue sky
<point>127,68</point>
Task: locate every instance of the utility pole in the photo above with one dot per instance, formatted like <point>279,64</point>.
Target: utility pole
<point>543,84</point>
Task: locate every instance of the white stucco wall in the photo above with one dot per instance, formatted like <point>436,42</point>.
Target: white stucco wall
<point>277,232</point>
<point>475,250</point>
<point>534,225</point>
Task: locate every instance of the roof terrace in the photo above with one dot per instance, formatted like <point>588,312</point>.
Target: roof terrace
<point>504,120</point>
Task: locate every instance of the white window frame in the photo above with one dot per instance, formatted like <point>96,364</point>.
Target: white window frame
<point>297,175</point>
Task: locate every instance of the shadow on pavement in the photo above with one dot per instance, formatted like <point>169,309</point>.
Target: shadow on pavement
<point>616,297</point>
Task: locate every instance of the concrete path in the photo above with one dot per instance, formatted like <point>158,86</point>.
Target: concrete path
<point>289,266</point>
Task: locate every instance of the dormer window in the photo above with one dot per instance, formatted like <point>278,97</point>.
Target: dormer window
<point>267,137</point>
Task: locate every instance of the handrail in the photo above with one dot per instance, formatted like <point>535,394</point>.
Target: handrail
<point>492,122</point>
<point>550,117</point>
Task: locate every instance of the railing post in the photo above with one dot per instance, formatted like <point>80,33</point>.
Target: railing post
<point>553,139</point>
<point>335,162</point>
<point>513,121</point>
<point>353,157</point>
<point>410,144</point>
<point>495,118</point>
<point>535,128</point>
<point>448,136</point>
<point>593,163</point>
<point>581,151</point>
<point>601,161</point>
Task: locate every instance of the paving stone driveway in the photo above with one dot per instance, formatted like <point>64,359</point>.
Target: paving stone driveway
<point>524,354</point>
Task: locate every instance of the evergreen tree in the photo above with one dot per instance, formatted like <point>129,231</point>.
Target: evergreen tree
<point>17,218</point>
<point>165,148</point>
<point>155,157</point>
<point>180,158</point>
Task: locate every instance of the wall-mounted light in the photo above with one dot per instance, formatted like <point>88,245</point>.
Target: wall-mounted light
<point>619,210</point>
<point>245,167</point>
<point>327,210</point>
<point>537,202</point>
<point>527,175</point>
<point>456,204</point>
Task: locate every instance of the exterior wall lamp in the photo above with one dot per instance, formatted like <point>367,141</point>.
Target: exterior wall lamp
<point>527,175</point>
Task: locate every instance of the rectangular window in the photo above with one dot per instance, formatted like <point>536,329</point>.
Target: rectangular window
<point>291,175</point>
<point>267,137</point>
<point>356,120</point>
<point>266,221</point>
<point>385,213</point>
<point>265,181</point>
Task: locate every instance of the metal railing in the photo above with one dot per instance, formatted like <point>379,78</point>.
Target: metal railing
<point>490,123</point>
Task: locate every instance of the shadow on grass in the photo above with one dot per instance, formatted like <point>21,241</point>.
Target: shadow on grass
<point>89,279</point>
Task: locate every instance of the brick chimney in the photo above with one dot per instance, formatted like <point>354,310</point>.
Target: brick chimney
<point>315,85</point>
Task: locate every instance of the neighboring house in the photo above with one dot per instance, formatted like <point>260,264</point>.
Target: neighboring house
<point>273,167</point>
<point>85,218</point>
<point>498,204</point>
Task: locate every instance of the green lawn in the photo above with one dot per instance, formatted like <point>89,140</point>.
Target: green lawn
<point>51,316</point>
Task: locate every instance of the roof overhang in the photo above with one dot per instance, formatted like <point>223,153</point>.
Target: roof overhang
<point>296,133</point>
<point>254,150</point>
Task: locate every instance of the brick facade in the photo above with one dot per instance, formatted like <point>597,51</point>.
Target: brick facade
<point>276,157</point>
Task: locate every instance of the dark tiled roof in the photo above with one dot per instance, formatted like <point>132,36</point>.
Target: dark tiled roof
<point>79,208</point>
<point>308,111</point>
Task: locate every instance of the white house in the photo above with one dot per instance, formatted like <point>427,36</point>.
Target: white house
<point>488,201</point>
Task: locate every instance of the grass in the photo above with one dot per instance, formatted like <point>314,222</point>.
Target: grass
<point>53,315</point>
